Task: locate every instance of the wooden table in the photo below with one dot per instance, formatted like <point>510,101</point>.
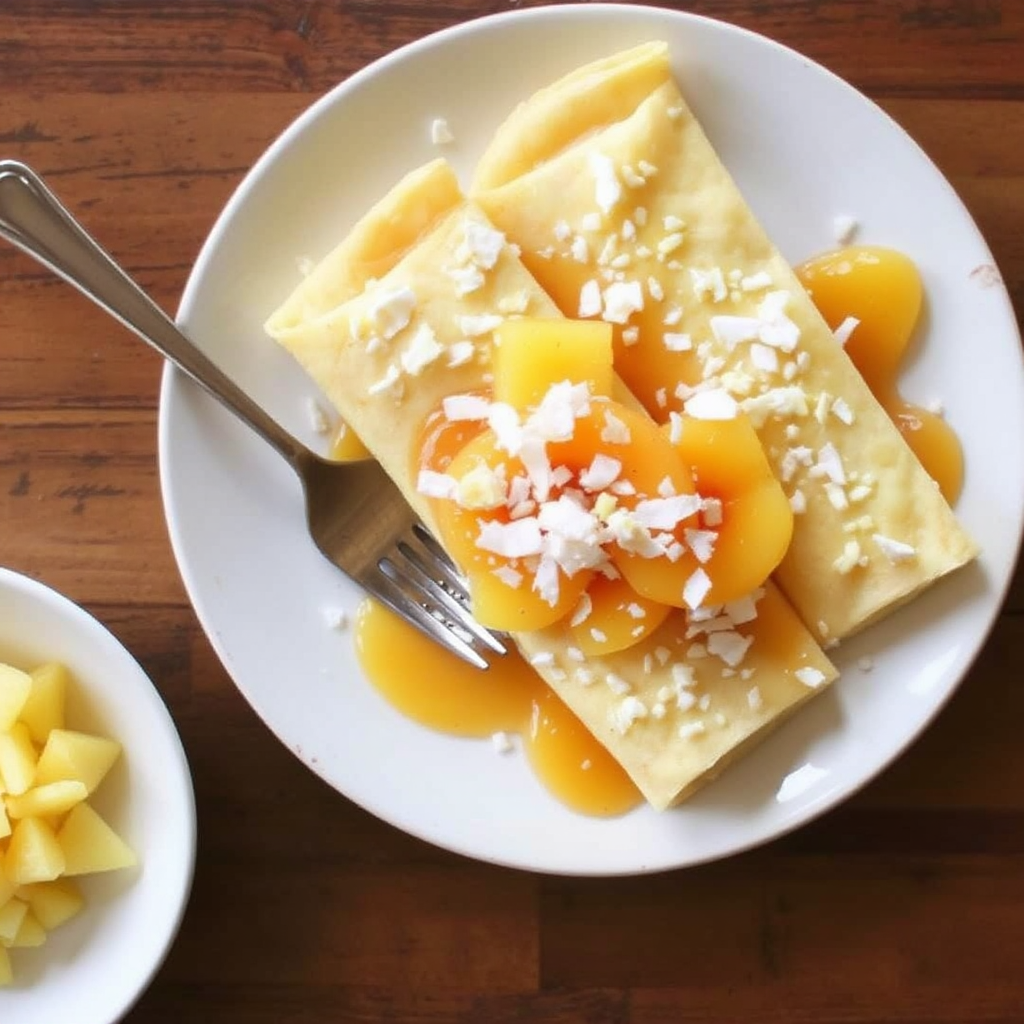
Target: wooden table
<point>906,904</point>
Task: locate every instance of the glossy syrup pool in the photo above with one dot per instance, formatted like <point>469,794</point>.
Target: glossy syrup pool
<point>882,289</point>
<point>438,690</point>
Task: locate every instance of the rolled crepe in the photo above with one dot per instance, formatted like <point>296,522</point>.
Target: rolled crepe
<point>399,317</point>
<point>623,210</point>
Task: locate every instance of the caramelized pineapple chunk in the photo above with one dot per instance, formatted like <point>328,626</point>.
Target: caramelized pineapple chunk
<point>730,465</point>
<point>533,354</point>
<point>576,484</point>
<point>501,589</point>
<point>618,617</point>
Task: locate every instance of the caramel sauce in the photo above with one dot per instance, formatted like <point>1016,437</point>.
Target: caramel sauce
<point>879,287</point>
<point>438,690</point>
<point>882,289</point>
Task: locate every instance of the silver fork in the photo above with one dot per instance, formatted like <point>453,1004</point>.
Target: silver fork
<point>355,514</point>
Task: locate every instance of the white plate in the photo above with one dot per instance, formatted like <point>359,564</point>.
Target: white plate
<point>92,969</point>
<point>804,147</point>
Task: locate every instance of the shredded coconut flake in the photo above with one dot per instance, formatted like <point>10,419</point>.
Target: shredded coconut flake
<point>696,589</point>
<point>614,430</point>
<point>729,645</point>
<point>510,577</point>
<point>465,407</point>
<point>629,710</point>
<point>511,540</point>
<point>591,300</point>
<point>436,485</point>
<point>844,227</point>
<point>701,543</point>
<point>708,282</point>
<point>582,610</point>
<point>849,559</point>
<point>501,743</point>
<point>460,353</point>
<point>845,329</point>
<point>621,300</point>
<point>423,349</point>
<point>391,310</point>
<point>733,330</point>
<point>809,676</point>
<point>713,404</point>
<point>677,342</point>
<point>616,683</point>
<point>666,513</point>
<point>601,473</point>
<point>318,421</point>
<point>440,132</point>
<point>336,618</point>
<point>607,187</point>
<point>385,383</point>
<point>475,326</point>
<point>895,550</point>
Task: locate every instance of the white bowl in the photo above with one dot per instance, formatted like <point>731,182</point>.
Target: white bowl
<point>92,969</point>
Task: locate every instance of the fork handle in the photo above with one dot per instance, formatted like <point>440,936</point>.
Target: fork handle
<point>34,219</point>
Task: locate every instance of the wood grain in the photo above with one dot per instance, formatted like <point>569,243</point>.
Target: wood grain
<point>906,904</point>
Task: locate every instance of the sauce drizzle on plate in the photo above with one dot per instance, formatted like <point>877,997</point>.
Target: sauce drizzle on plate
<point>881,288</point>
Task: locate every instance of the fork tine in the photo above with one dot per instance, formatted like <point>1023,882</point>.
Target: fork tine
<point>451,603</point>
<point>444,570</point>
<point>429,541</point>
<point>389,592</point>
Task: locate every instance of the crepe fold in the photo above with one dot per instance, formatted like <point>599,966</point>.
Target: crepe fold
<point>622,209</point>
<point>399,317</point>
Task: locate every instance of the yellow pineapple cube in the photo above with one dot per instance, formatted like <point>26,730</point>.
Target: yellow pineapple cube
<point>11,915</point>
<point>33,853</point>
<point>6,885</point>
<point>533,354</point>
<point>89,844</point>
<point>15,687</point>
<point>44,708</point>
<point>76,755</point>
<point>6,974</point>
<point>5,824</point>
<point>54,902</point>
<point>31,933</point>
<point>45,801</point>
<point>17,759</point>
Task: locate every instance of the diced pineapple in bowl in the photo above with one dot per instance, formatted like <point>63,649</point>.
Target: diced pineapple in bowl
<point>97,815</point>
